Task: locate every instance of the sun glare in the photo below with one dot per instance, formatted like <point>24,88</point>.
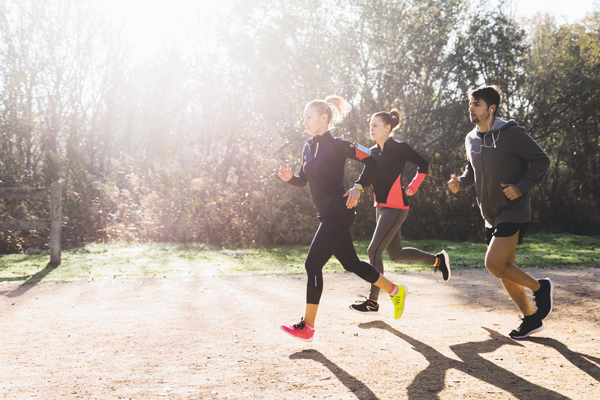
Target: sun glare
<point>569,11</point>
<point>150,24</point>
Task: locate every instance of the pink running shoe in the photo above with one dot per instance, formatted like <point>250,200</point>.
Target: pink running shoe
<point>299,331</point>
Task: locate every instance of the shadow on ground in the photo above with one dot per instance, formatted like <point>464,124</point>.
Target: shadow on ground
<point>472,364</point>
<point>30,281</point>
<point>584,362</point>
<point>359,389</point>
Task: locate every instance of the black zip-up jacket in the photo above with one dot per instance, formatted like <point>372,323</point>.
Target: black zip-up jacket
<point>323,160</point>
<point>387,179</point>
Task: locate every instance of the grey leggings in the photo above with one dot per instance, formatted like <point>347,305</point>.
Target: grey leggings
<point>387,237</point>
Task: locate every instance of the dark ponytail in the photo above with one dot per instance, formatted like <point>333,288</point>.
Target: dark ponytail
<point>391,118</point>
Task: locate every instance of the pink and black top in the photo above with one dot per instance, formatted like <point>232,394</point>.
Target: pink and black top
<point>387,179</point>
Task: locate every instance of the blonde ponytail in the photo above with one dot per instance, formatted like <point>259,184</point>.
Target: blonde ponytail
<point>340,107</point>
<point>334,107</point>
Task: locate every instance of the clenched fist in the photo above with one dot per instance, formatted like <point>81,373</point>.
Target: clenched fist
<point>454,184</point>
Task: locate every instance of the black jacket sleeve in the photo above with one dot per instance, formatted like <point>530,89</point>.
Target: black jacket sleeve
<point>528,149</point>
<point>411,155</point>
<point>467,179</point>
<point>360,153</point>
<point>299,180</point>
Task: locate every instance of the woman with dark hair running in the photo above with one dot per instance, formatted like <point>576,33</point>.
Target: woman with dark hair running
<point>322,167</point>
<point>391,204</point>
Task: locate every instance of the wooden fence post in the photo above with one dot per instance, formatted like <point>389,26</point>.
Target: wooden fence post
<point>55,222</point>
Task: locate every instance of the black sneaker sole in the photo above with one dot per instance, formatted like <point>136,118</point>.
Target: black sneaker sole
<point>364,312</point>
<point>447,261</point>
<point>551,297</point>
<point>523,336</point>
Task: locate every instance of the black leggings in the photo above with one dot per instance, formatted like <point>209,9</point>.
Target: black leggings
<point>333,239</point>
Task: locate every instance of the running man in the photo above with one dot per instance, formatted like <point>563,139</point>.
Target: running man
<point>322,167</point>
<point>504,163</point>
<point>391,204</point>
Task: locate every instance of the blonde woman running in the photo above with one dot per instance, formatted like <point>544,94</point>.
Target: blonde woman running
<point>322,167</point>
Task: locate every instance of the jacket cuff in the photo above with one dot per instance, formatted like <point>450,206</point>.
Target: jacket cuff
<point>465,184</point>
<point>416,182</point>
<point>523,187</point>
<point>296,181</point>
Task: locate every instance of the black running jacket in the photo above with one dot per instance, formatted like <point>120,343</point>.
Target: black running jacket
<point>387,179</point>
<point>323,160</point>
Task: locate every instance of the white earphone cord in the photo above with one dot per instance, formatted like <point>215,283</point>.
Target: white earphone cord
<point>494,139</point>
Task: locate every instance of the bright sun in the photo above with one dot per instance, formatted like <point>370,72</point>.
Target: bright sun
<point>151,23</point>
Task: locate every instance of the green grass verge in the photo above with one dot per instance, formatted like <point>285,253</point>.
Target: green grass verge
<point>102,261</point>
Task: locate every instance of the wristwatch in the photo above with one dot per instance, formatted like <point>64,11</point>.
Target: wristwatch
<point>359,187</point>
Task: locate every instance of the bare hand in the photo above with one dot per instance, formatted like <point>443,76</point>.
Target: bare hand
<point>511,191</point>
<point>285,173</point>
<point>353,197</point>
<point>409,192</point>
<point>454,184</point>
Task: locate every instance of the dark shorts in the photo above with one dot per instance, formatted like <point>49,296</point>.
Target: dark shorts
<point>506,229</point>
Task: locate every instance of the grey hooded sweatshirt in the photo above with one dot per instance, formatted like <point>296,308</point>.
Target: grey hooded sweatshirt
<point>504,154</point>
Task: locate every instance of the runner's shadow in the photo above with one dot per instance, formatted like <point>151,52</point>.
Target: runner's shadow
<point>359,389</point>
<point>472,364</point>
<point>580,360</point>
<point>31,281</point>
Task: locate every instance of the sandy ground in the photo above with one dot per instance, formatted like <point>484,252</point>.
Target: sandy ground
<point>218,338</point>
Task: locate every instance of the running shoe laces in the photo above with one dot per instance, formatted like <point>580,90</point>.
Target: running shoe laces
<point>300,325</point>
<point>529,325</point>
<point>299,331</point>
<point>365,306</point>
<point>398,301</point>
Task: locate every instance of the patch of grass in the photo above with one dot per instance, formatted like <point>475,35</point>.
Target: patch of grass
<point>538,250</point>
<point>102,261</point>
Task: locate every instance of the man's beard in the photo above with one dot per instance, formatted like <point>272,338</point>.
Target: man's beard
<point>477,120</point>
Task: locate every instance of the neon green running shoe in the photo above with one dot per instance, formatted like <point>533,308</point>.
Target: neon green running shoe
<point>398,300</point>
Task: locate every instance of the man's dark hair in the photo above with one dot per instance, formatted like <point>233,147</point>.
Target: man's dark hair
<point>490,94</point>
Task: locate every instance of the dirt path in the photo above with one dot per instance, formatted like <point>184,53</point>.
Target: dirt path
<point>218,338</point>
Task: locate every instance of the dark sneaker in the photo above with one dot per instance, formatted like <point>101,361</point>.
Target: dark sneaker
<point>366,307</point>
<point>544,298</point>
<point>443,264</point>
<point>530,325</point>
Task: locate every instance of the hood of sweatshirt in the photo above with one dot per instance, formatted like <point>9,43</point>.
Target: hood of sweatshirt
<point>498,125</point>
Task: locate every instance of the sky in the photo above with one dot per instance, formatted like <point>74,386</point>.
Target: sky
<point>564,10</point>
<point>150,22</point>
